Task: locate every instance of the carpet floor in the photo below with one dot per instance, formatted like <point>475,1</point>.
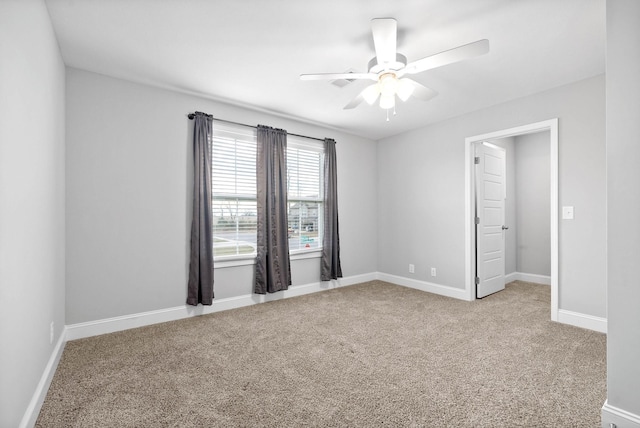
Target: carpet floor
<point>372,354</point>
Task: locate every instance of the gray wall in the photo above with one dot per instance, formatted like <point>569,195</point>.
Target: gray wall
<point>532,204</point>
<point>32,234</point>
<point>422,172</point>
<point>129,166</point>
<point>623,206</point>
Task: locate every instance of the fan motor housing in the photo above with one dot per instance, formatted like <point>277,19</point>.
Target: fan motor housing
<point>400,62</point>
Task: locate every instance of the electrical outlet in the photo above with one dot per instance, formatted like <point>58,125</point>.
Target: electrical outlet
<point>412,268</point>
<point>433,271</point>
<point>51,330</point>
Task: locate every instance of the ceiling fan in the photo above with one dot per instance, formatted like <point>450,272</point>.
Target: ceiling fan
<point>389,67</point>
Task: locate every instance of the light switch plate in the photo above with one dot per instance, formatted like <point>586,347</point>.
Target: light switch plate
<point>567,213</point>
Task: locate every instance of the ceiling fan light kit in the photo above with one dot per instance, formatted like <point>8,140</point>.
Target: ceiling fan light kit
<point>388,67</point>
<point>387,101</point>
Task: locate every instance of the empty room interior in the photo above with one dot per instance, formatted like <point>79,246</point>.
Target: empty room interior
<point>360,213</point>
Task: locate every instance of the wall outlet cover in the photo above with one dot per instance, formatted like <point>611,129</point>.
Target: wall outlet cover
<point>567,213</point>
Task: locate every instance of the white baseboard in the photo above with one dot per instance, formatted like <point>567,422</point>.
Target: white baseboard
<point>528,277</point>
<point>357,279</point>
<point>577,319</point>
<point>620,418</point>
<point>111,325</point>
<point>33,409</point>
<point>443,290</point>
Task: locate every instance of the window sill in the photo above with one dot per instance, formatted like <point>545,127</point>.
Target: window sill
<point>315,253</point>
<point>234,261</point>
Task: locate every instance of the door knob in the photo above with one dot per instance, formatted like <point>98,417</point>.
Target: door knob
<point>505,227</point>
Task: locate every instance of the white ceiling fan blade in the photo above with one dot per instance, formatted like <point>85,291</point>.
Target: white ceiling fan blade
<point>421,92</point>
<point>369,94</point>
<point>354,102</point>
<point>384,39</point>
<point>460,53</point>
<point>335,76</point>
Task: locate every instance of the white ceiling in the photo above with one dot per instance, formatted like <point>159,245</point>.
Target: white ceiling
<point>251,52</point>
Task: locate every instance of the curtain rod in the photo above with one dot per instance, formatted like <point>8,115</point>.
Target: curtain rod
<point>192,115</point>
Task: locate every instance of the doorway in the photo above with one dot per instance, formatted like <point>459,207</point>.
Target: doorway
<point>470,184</point>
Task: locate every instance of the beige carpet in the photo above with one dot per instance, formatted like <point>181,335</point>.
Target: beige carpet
<point>373,354</point>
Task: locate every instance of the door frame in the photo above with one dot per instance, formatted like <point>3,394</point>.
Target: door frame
<point>470,262</point>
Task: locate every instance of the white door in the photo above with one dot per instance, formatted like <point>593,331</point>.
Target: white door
<point>490,228</point>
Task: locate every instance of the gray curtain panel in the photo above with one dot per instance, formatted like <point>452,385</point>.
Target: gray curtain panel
<point>273,271</point>
<point>330,268</point>
<point>200,287</point>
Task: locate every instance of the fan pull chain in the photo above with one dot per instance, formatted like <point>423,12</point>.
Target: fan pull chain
<point>394,112</point>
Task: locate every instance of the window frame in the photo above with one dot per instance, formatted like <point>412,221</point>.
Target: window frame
<point>225,261</point>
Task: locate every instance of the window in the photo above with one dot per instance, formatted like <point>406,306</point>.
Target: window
<point>233,176</point>
<point>304,188</point>
<point>234,204</point>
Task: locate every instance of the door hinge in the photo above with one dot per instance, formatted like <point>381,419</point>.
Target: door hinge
<point>477,220</point>
<point>476,160</point>
<point>477,280</point>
